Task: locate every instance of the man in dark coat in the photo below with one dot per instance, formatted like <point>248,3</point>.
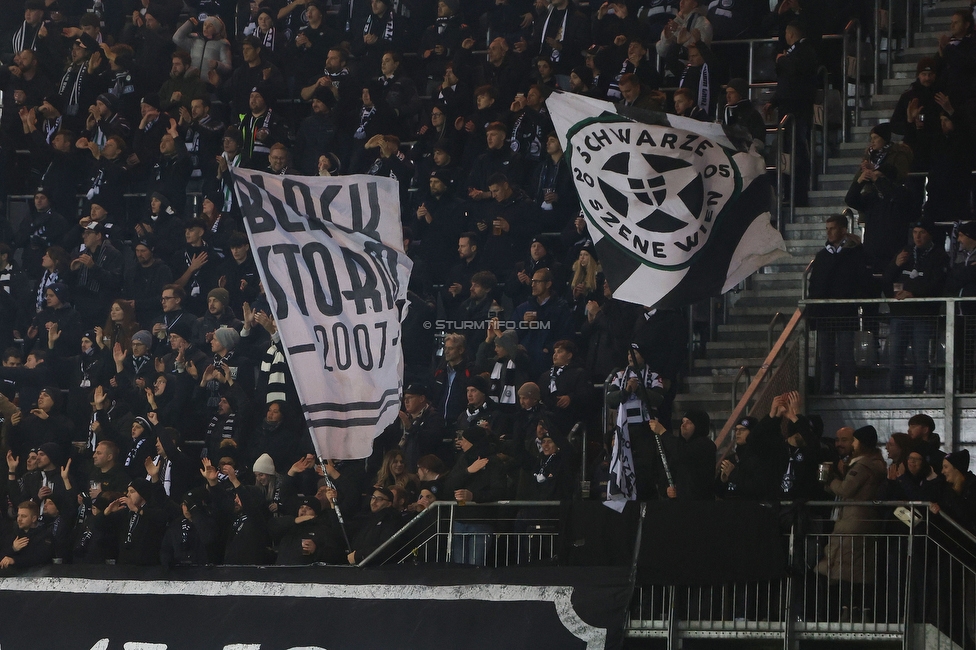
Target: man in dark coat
<point>309,537</point>
<point>30,545</point>
<point>377,527</point>
<point>916,116</point>
<point>139,522</point>
<point>565,389</point>
<point>691,458</point>
<point>740,117</point>
<point>839,270</point>
<point>918,271</point>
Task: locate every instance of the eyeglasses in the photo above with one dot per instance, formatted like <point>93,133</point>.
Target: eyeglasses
<point>167,298</point>
<point>376,498</point>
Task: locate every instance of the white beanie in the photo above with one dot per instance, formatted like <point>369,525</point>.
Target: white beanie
<point>264,464</point>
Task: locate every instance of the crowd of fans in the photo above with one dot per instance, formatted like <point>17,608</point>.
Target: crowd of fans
<point>141,324</point>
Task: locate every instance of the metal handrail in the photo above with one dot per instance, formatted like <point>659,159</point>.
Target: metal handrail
<point>735,383</point>
<point>761,374</point>
<point>434,507</point>
<point>786,121</point>
<point>855,26</point>
<point>769,328</point>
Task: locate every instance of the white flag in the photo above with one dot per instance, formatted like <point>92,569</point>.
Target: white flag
<point>329,251</point>
<point>676,212</point>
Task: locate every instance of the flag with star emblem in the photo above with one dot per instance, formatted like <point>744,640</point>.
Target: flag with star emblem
<point>676,212</point>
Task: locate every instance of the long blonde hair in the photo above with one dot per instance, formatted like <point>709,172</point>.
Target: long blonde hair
<point>585,275</point>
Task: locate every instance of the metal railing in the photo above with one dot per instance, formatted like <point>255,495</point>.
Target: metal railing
<point>880,341</point>
<point>786,123</point>
<point>906,578</point>
<point>498,534</point>
<point>851,72</point>
<point>765,384</point>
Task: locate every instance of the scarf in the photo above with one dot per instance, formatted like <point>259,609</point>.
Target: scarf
<point>504,387</point>
<point>225,185</point>
<point>88,361</point>
<point>86,277</point>
<point>250,125</point>
<point>165,472</point>
<point>50,128</point>
<point>387,29</point>
<point>20,37</point>
<point>268,40</point>
<point>560,33</point>
<point>554,373</point>
<point>622,482</point>
<point>186,531</point>
<point>704,90</point>
<point>74,96</point>
<point>49,278</point>
<point>194,283</point>
<point>364,116</point>
<point>131,456</point>
<point>133,522</point>
<point>634,411</point>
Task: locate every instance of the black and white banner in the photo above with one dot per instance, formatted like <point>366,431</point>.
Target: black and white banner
<point>313,608</point>
<point>330,254</point>
<point>676,212</point>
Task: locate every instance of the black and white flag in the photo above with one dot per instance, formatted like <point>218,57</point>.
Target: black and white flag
<point>676,212</point>
<point>329,251</point>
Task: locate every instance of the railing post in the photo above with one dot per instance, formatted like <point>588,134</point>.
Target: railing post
<point>792,173</point>
<point>450,534</point>
<point>876,46</point>
<point>950,375</point>
<point>857,79</point>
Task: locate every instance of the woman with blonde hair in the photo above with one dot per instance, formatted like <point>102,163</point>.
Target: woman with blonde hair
<point>393,471</point>
<point>586,284</point>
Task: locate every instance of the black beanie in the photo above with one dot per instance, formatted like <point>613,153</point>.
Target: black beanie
<point>960,460</point>
<point>867,436</point>
<point>701,421</point>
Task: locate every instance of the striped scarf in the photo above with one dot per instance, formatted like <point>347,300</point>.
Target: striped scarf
<point>275,367</point>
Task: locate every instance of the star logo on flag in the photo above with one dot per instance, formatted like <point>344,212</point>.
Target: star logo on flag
<point>637,186</point>
<point>654,189</point>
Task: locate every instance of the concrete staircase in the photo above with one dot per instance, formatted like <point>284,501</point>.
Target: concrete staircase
<point>742,340</point>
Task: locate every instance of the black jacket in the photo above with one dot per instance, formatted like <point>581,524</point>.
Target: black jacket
<point>838,272</point>
<point>923,274</point>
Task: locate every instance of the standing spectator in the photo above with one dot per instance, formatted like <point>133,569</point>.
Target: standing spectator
<point>689,27</point>
<point>796,87</point>
<point>849,558</point>
<point>957,58</point>
<point>542,307</point>
<point>565,388</point>
<point>691,458</point>
<point>30,544</point>
<point>839,270</point>
<point>918,271</point>
<point>741,117</point>
<point>883,202</point>
<point>451,378</point>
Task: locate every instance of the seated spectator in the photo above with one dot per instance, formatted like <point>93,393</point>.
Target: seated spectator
<point>634,93</point>
<point>30,544</point>
<point>377,527</point>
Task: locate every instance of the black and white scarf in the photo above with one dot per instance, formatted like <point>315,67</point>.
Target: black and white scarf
<point>387,29</point>
<point>165,472</point>
<point>704,90</point>
<point>554,373</point>
<point>131,456</point>
<point>20,38</point>
<point>364,115</point>
<point>503,382</point>
<point>560,33</point>
<point>133,522</point>
<point>71,106</point>
<point>49,278</point>
<point>87,276</point>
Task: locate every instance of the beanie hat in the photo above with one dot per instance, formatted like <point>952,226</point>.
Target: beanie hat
<point>53,451</point>
<point>883,130</point>
<point>867,436</point>
<point>748,422</point>
<point>530,390</point>
<point>144,337</point>
<point>227,337</point>
<point>475,435</point>
<point>701,421</point>
<point>311,502</point>
<point>145,424</point>
<point>54,393</point>
<point>264,464</point>
<point>960,460</point>
<point>220,294</point>
<point>453,5</point>
<point>60,290</point>
<point>508,342</point>
<point>110,100</point>
<point>182,329</point>
<point>151,99</point>
<point>926,64</point>
<point>480,383</point>
<point>585,74</point>
<point>142,486</point>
